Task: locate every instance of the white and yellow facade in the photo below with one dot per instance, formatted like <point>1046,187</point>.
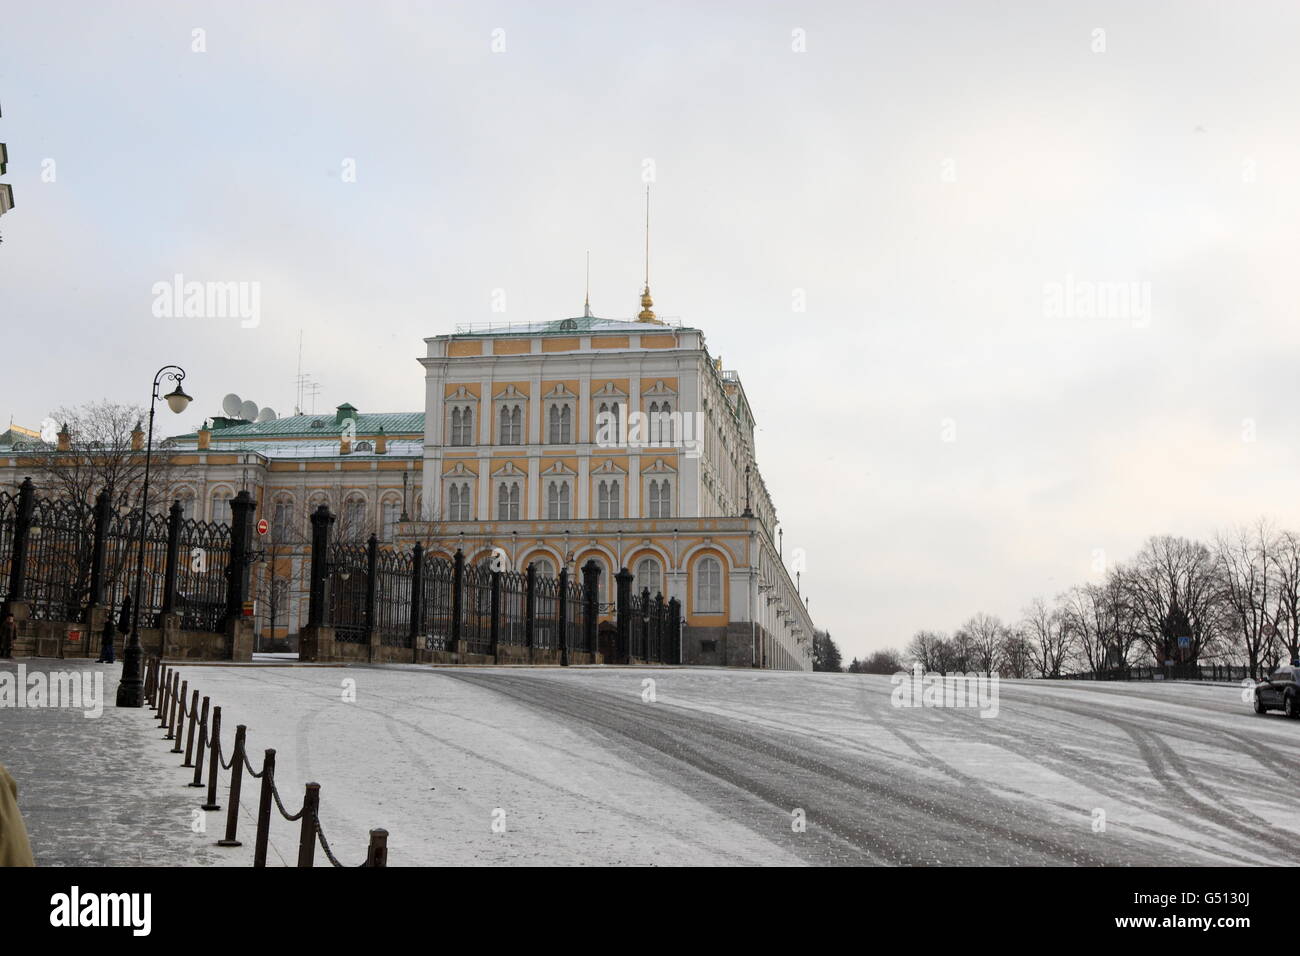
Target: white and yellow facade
<point>509,453</point>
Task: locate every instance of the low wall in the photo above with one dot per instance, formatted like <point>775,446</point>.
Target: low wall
<point>62,639</point>
<point>318,645</point>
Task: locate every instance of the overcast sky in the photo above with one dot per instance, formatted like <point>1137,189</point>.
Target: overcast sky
<point>945,427</point>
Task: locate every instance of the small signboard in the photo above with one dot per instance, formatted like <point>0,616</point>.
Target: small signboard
<point>1184,641</point>
<point>262,526</point>
<point>74,637</point>
<point>248,609</point>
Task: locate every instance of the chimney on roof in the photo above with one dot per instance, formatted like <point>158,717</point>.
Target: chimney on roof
<point>381,442</point>
<point>205,437</point>
<point>137,437</point>
<point>65,438</point>
<point>343,413</point>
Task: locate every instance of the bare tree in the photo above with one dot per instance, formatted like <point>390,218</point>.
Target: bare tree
<point>1286,615</point>
<point>979,639</point>
<point>1249,577</point>
<point>1176,591</point>
<point>1048,636</point>
<point>929,649</point>
<point>1017,653</point>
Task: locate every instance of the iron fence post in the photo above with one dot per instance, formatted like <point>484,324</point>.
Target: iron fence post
<point>457,585</point>
<point>372,561</point>
<point>563,617</point>
<point>321,519</point>
<point>175,515</point>
<point>591,600</point>
<point>494,637</point>
<point>675,629</point>
<point>530,608</point>
<point>237,571</point>
<point>623,651</point>
<point>98,546</point>
<point>417,599</point>
<point>22,530</point>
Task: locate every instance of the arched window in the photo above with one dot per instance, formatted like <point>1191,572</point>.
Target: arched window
<point>221,506</point>
<point>607,428</point>
<point>543,567</point>
<point>511,425</point>
<point>391,511</point>
<point>557,500</point>
<point>661,423</point>
<point>660,499</point>
<point>648,577</point>
<point>354,524</point>
<point>508,501</point>
<point>607,500</point>
<point>186,498</point>
<point>458,502</point>
<point>560,425</point>
<point>462,426</point>
<point>708,586</point>
<point>282,519</point>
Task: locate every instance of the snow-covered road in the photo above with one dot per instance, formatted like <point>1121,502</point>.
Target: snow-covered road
<point>537,766</point>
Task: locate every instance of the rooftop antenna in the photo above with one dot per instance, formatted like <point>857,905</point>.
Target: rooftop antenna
<point>646,302</point>
<point>297,405</point>
<point>586,305</point>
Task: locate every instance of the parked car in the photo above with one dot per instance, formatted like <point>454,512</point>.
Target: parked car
<point>1279,692</point>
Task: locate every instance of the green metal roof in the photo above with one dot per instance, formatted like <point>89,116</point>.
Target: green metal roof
<point>304,426</point>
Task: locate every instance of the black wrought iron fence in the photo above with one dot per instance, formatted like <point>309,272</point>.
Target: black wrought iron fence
<point>436,576</point>
<point>346,587</point>
<point>8,511</point>
<point>393,597</point>
<point>512,627</point>
<point>575,633</point>
<point>546,610</point>
<point>58,559</point>
<point>476,608</point>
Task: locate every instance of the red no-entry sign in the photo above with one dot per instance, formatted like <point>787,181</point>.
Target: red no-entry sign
<point>262,526</point>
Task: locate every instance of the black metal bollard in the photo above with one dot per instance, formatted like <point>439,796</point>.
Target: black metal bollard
<point>189,740</point>
<point>236,780</point>
<point>171,711</point>
<point>214,764</point>
<point>264,809</point>
<point>148,681</point>
<point>178,718</point>
<point>377,853</point>
<point>162,695</point>
<point>198,755</point>
<point>307,835</point>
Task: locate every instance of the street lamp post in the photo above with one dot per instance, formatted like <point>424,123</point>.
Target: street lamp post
<point>130,692</point>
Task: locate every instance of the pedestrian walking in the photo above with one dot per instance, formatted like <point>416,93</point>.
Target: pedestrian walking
<point>106,639</point>
<point>124,618</point>
<point>8,634</point>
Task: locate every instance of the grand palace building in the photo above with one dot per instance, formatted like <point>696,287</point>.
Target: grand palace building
<point>619,441</point>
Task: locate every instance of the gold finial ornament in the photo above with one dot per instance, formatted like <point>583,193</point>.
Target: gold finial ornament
<point>586,304</point>
<point>646,315</point>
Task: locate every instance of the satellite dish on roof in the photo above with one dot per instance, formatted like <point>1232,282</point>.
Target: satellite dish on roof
<point>231,405</point>
<point>248,411</point>
<point>266,415</point>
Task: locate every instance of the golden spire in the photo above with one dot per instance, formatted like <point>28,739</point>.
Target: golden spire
<point>586,305</point>
<point>646,302</point>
